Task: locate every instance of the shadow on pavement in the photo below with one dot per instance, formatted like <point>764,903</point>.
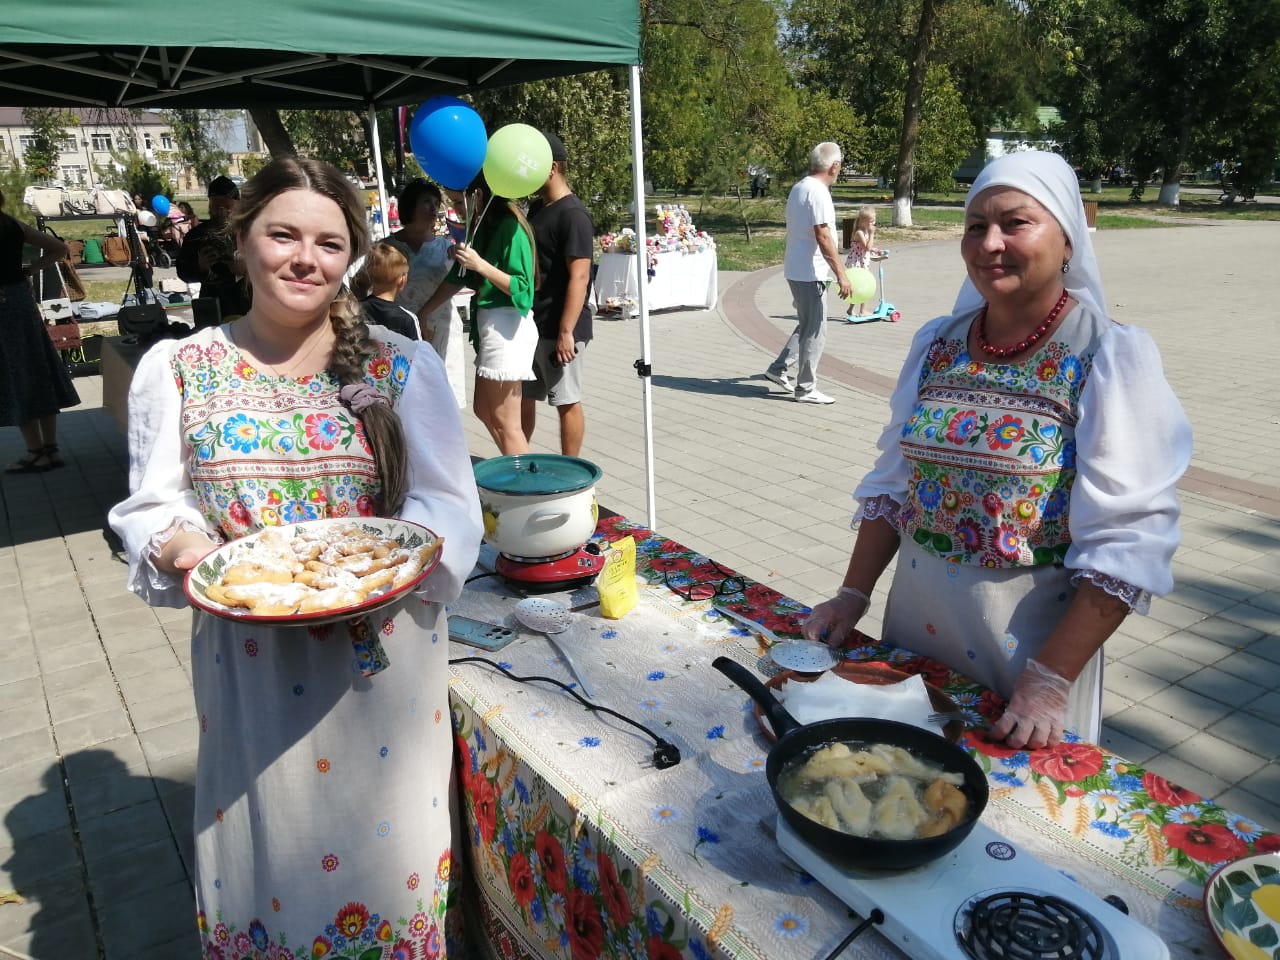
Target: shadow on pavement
<point>102,859</point>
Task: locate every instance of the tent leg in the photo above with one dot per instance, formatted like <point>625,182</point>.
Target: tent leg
<point>644,365</point>
<point>385,228</point>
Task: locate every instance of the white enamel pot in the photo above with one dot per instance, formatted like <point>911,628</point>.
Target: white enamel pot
<point>538,505</point>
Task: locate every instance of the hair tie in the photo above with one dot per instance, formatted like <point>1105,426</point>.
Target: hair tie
<point>359,397</point>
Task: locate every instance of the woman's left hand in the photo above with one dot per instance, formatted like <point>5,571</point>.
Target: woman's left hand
<point>1037,711</point>
<point>467,257</point>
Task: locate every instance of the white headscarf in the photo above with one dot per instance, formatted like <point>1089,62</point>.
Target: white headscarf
<point>1047,178</point>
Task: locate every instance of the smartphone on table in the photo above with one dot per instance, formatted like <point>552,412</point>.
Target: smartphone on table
<point>478,633</point>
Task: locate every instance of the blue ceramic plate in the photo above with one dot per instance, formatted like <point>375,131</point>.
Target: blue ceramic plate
<point>1242,904</point>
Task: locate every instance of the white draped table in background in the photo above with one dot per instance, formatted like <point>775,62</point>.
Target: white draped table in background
<point>679,280</point>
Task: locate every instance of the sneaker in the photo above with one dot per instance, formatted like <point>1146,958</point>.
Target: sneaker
<point>815,397</point>
<point>781,379</point>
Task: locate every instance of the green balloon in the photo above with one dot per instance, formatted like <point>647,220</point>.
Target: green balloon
<point>863,282</point>
<point>518,161</point>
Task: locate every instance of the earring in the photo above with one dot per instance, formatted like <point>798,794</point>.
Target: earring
<point>238,256</point>
<point>1066,266</point>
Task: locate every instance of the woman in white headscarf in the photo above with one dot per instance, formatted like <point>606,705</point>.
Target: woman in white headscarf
<point>1026,476</point>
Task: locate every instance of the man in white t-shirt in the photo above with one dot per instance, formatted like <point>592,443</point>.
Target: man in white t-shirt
<point>811,259</point>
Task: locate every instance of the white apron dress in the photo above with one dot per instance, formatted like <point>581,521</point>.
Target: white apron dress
<point>322,818</point>
<point>1004,495</point>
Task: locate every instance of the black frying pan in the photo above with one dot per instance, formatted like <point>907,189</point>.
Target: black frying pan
<point>796,740</point>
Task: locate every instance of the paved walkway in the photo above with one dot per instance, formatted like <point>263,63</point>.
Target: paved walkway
<point>97,732</point>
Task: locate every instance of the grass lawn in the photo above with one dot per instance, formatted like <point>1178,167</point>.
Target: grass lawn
<point>937,217</point>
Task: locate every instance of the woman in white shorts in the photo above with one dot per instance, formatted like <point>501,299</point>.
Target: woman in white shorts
<point>499,264</point>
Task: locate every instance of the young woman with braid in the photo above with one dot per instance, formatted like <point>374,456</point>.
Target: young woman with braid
<point>322,802</point>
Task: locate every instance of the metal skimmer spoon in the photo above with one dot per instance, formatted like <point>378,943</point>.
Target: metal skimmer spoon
<point>551,618</point>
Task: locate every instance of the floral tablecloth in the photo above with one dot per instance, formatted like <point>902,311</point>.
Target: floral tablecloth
<point>582,848</point>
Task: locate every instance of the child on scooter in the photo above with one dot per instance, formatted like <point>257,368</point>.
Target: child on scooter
<point>861,249</point>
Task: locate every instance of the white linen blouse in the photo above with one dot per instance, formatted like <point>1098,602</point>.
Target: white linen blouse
<point>1133,442</point>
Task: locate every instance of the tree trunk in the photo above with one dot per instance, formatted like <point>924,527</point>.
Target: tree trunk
<point>905,185</point>
<point>274,135</point>
<point>1096,186</point>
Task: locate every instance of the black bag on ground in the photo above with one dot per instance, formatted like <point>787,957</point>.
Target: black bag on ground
<point>142,322</point>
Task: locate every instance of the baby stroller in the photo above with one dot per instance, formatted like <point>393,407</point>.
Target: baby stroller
<point>884,310</point>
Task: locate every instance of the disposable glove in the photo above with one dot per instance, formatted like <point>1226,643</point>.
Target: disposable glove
<point>832,621</point>
<point>1037,711</point>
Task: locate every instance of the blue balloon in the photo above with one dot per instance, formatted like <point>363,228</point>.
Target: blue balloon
<point>449,141</point>
<point>160,204</point>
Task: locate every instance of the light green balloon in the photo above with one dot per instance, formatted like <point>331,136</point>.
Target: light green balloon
<point>518,160</point>
<point>863,282</point>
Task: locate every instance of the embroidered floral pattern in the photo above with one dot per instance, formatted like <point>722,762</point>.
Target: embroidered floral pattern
<point>242,478</point>
<point>992,452</point>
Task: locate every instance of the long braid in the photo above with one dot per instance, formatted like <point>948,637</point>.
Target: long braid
<point>352,350</point>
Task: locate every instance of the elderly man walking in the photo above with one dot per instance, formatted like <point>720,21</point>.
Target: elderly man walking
<point>812,256</point>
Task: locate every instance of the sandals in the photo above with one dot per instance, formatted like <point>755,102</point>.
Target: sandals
<point>37,461</point>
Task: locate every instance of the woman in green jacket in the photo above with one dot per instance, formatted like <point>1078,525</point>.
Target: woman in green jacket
<point>500,266</point>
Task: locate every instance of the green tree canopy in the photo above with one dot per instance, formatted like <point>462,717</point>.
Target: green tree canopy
<point>193,134</point>
<point>48,130</point>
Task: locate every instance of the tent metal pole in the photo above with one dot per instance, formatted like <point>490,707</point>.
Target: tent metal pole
<point>377,171</point>
<point>642,263</point>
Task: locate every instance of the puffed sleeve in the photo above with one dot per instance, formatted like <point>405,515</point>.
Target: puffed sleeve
<point>1133,442</point>
<point>161,499</point>
<point>889,477</point>
<point>442,489</point>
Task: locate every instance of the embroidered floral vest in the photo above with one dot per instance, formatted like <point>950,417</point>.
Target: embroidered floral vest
<point>264,450</point>
<point>991,447</point>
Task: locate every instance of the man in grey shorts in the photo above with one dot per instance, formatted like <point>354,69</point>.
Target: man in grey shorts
<point>564,233</point>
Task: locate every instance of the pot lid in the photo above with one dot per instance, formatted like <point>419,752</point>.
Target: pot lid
<point>529,474</point>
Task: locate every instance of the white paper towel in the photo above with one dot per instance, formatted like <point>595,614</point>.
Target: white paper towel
<point>832,696</point>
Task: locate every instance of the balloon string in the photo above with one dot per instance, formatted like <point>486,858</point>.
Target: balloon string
<point>471,224</point>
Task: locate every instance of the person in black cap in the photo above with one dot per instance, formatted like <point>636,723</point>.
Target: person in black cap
<point>564,233</point>
<point>208,255</point>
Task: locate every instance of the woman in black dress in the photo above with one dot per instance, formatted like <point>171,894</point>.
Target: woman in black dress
<point>34,383</point>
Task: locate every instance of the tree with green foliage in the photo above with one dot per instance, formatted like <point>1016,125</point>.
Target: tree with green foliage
<point>13,182</point>
<point>590,113</point>
<point>193,135</point>
<point>130,170</point>
<point>48,130</point>
<point>334,136</point>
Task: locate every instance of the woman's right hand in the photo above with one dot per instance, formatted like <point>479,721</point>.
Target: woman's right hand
<point>183,551</point>
<point>833,621</point>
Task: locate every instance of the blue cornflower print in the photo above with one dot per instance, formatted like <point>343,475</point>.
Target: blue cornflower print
<point>508,842</point>
<point>653,920</point>
<point>522,791</point>
<point>536,911</point>
<point>479,738</point>
<point>582,877</point>
<point>589,742</point>
<point>656,675</point>
<point>698,950</point>
<point>1008,779</point>
<point>1126,782</point>
<point>383,752</point>
<point>1017,761</point>
<point>1107,828</point>
<point>707,835</point>
<point>609,634</point>
<point>716,732</point>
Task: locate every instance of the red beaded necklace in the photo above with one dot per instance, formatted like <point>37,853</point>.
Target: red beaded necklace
<point>1021,345</point>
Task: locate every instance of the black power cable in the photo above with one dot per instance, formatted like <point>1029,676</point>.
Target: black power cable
<point>665,753</point>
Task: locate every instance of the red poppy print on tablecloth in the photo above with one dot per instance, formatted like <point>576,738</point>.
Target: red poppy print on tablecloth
<point>486,807</point>
<point>1162,791</point>
<point>1207,842</point>
<point>1067,762</point>
<point>659,949</point>
<point>977,740</point>
<point>586,927</point>
<point>551,856</point>
<point>615,894</point>
<point>1267,843</point>
<point>520,876</point>
<point>462,762</point>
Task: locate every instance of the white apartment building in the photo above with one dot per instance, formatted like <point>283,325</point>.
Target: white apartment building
<point>89,143</point>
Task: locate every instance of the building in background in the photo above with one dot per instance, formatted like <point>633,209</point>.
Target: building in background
<point>91,142</point>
